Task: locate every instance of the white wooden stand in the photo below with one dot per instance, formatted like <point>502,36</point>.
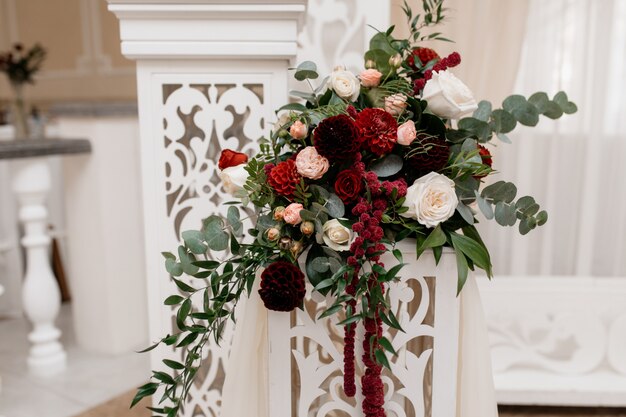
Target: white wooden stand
<point>423,377</point>
<point>41,296</point>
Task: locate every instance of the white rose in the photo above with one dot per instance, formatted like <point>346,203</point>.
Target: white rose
<point>447,96</point>
<point>337,236</point>
<point>344,83</point>
<point>431,199</point>
<point>233,178</point>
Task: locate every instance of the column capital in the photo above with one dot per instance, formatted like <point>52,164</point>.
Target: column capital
<point>220,29</point>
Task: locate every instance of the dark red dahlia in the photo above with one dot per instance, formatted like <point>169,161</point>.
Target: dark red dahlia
<point>284,178</point>
<point>424,55</point>
<point>282,286</point>
<point>349,185</point>
<point>429,154</point>
<point>379,130</point>
<point>337,138</point>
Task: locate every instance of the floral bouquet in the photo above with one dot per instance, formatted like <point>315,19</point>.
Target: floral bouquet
<point>397,152</point>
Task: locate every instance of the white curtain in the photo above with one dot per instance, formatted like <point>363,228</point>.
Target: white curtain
<point>574,167</point>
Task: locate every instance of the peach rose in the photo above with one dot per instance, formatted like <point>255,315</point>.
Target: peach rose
<point>291,214</point>
<point>395,104</point>
<point>370,77</point>
<point>406,133</point>
<point>298,130</point>
<point>310,164</point>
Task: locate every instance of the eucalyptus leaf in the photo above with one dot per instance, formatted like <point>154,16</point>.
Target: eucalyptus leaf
<point>466,213</point>
<point>306,70</point>
<point>387,166</point>
<point>335,206</point>
<point>483,111</point>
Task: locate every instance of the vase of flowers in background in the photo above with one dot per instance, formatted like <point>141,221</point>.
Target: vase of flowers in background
<point>20,66</point>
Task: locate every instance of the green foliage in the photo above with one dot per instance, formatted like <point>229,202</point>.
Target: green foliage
<point>485,122</point>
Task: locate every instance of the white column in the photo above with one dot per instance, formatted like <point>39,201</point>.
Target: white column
<point>41,296</point>
<point>209,73</point>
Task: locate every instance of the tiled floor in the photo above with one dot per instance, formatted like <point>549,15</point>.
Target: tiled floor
<point>90,379</point>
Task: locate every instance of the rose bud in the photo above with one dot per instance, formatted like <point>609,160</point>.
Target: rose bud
<point>272,234</point>
<point>284,243</point>
<point>307,228</point>
<point>370,63</point>
<point>298,130</point>
<point>370,77</point>
<point>231,158</point>
<point>295,249</point>
<point>278,213</point>
<point>395,61</point>
<point>395,104</point>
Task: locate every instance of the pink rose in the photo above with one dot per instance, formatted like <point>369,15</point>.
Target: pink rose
<point>291,214</point>
<point>370,77</point>
<point>406,133</point>
<point>395,104</point>
<point>310,164</point>
<point>298,130</point>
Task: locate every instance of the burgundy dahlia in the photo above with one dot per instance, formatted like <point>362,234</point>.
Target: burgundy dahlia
<point>337,138</point>
<point>284,178</point>
<point>379,130</point>
<point>282,286</point>
<point>431,154</point>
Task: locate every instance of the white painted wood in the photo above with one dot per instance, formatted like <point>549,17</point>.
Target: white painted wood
<point>41,296</point>
<point>557,340</point>
<point>105,242</point>
<point>318,356</point>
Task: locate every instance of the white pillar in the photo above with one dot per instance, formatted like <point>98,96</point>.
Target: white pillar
<point>41,296</point>
<point>210,73</point>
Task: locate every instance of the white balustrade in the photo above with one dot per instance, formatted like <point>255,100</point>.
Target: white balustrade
<point>41,297</point>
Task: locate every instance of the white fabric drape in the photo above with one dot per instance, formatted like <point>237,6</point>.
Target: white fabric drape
<point>245,390</point>
<point>574,166</point>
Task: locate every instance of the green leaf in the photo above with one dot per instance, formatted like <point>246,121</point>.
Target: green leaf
<point>381,58</point>
<point>505,214</point>
<point>186,260</point>
<point>168,255</point>
<point>567,106</point>
<point>462,269</point>
<point>183,287</point>
<point>381,358</point>
<point>173,300</point>
<point>335,206</point>
<point>436,238</point>
<point>503,121</point>
<point>473,250</point>
<point>183,313</point>
<point>484,206</point>
<point>483,111</point>
<point>465,212</point>
<point>194,241</point>
<point>234,219</point>
<point>522,110</point>
<point>306,70</point>
<point>320,264</point>
<point>480,128</point>
<point>387,166</point>
<point>324,284</point>
<point>173,268</point>
<point>173,364</point>
<point>540,100</point>
<point>542,218</point>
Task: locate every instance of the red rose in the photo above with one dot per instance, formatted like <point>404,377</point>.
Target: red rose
<point>282,286</point>
<point>284,178</point>
<point>379,130</point>
<point>348,185</point>
<point>486,157</point>
<point>231,159</point>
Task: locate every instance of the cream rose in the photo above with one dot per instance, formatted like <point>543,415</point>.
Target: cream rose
<point>344,83</point>
<point>291,214</point>
<point>298,130</point>
<point>447,96</point>
<point>395,104</point>
<point>310,164</point>
<point>431,199</point>
<point>337,236</point>
<point>406,133</point>
<point>233,178</point>
<point>370,77</point>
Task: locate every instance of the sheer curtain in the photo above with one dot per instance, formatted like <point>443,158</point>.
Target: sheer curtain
<point>574,167</point>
